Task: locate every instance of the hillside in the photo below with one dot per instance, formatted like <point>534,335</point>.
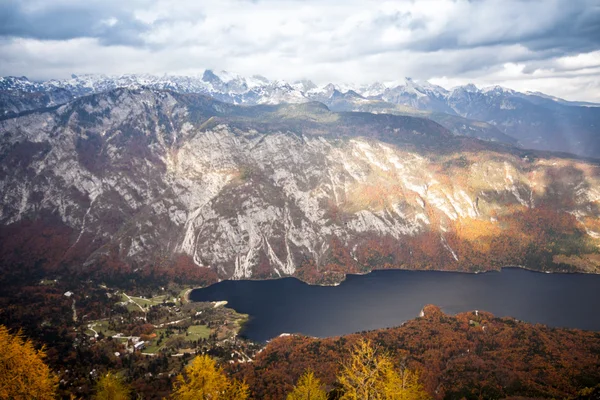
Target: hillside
<point>131,179</point>
<point>471,355</point>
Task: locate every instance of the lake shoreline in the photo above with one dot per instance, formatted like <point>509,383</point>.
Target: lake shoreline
<point>388,298</point>
<point>392,269</point>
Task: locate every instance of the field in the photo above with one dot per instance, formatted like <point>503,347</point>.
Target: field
<point>194,333</point>
<point>197,332</point>
<point>141,303</point>
<point>99,327</point>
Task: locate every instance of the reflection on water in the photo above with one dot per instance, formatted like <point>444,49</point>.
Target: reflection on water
<point>388,298</point>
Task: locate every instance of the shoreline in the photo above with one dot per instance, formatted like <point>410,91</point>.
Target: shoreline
<point>187,293</point>
<point>442,306</point>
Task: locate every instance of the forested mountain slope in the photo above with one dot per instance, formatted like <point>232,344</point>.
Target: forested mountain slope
<point>132,179</point>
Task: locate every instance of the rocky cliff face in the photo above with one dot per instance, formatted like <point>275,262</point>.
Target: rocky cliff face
<point>142,176</point>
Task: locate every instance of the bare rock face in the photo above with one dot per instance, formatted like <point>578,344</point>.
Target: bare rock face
<point>143,176</point>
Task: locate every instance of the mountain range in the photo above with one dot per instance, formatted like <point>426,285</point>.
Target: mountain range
<point>126,179</point>
<point>530,120</point>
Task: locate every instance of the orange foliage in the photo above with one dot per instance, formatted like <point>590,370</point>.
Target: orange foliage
<point>182,269</point>
<point>464,356</point>
<point>23,374</point>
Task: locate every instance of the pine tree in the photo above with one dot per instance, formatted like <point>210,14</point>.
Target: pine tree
<point>23,373</point>
<point>308,388</point>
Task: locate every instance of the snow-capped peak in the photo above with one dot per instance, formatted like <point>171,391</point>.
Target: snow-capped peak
<point>496,89</point>
<point>223,76</point>
<point>469,88</point>
<point>233,88</point>
<point>304,85</point>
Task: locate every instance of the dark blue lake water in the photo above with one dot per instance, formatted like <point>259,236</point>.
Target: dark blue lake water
<point>389,298</point>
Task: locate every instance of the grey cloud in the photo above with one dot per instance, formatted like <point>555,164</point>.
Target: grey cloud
<point>327,39</point>
<point>65,21</point>
<point>577,31</point>
<point>567,26</point>
<point>548,30</point>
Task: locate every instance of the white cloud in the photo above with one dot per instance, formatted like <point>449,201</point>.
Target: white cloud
<point>550,46</point>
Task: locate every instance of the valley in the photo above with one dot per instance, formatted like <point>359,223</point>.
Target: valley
<point>300,200</point>
<point>127,199</point>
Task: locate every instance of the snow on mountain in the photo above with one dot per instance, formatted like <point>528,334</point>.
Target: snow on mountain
<point>279,92</point>
<point>497,90</point>
<point>227,86</point>
<point>9,83</point>
<point>304,85</point>
<point>236,89</point>
<point>373,90</point>
<point>535,120</point>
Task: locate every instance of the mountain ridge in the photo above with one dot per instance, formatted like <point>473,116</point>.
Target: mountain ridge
<point>494,113</point>
<point>94,83</point>
<point>131,179</point>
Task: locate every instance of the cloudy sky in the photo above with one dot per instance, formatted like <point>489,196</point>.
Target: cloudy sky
<point>550,45</point>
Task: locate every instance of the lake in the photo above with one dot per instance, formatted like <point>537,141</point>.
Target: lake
<point>389,298</point>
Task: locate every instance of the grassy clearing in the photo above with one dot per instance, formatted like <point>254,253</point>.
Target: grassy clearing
<point>136,302</point>
<point>100,327</point>
<point>197,332</point>
<point>131,307</point>
<point>153,347</point>
<point>153,301</point>
<point>194,332</point>
<point>150,302</point>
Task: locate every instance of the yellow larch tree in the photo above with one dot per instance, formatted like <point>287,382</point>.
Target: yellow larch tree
<point>203,380</point>
<point>369,374</point>
<point>23,373</point>
<point>110,387</point>
<point>403,386</point>
<point>309,387</point>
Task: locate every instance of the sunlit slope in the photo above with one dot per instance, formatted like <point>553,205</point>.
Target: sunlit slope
<point>135,178</point>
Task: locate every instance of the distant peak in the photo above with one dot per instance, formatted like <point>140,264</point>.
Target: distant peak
<point>329,89</point>
<point>496,89</point>
<point>210,76</point>
<point>306,84</point>
<point>260,78</point>
<point>348,94</point>
<point>469,87</point>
